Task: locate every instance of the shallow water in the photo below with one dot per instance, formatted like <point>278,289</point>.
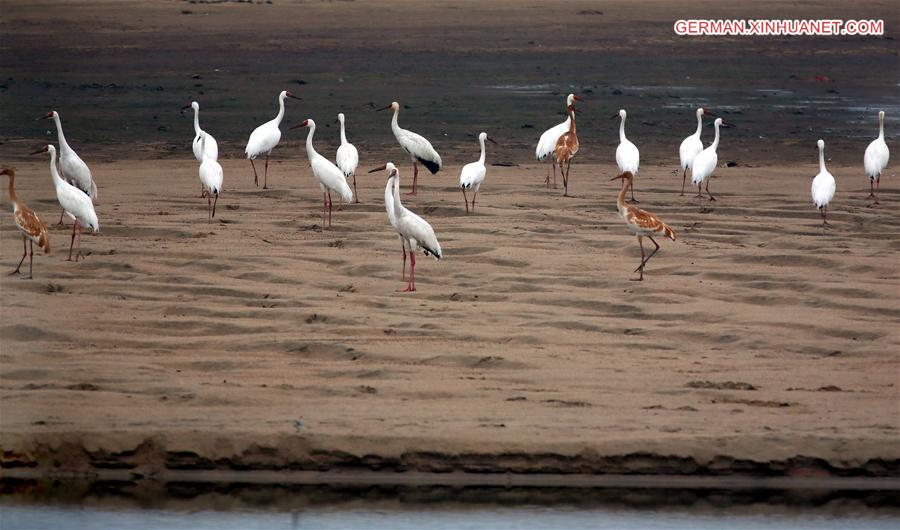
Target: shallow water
<point>424,517</point>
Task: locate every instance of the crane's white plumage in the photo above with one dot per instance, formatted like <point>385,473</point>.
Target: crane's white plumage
<point>418,148</point>
<point>472,174</point>
<point>704,164</point>
<point>389,207</point>
<point>692,145</point>
<point>877,153</point>
<point>347,156</point>
<point>265,137</point>
<point>414,231</point>
<point>76,203</point>
<point>211,177</point>
<point>73,169</point>
<point>329,175</point>
<point>212,147</point>
<point>823,186</point>
<point>876,158</point>
<point>547,143</point>
<point>628,158</point>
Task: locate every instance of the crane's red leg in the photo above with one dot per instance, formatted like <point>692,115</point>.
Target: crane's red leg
<point>411,285</point>
<point>324,208</point>
<point>877,188</point>
<point>61,214</point>
<point>355,195</point>
<point>465,199</point>
<point>403,269</point>
<point>474,195</point>
<point>683,179</point>
<point>330,208</point>
<point>78,253</point>
<point>214,204</point>
<point>255,175</point>
<point>30,258</point>
<point>24,253</point>
<point>415,179</point>
<point>208,209</point>
<point>707,189</point>
<point>72,243</point>
<point>266,174</point>
<point>645,260</point>
<point>641,266</point>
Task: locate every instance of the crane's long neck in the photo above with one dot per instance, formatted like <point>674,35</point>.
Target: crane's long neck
<point>715,144</point>
<point>572,121</point>
<point>343,133</point>
<point>280,115</point>
<point>822,159</point>
<point>699,125</point>
<point>12,190</point>
<point>310,150</point>
<point>63,144</point>
<point>197,130</point>
<point>881,127</point>
<point>481,158</point>
<point>57,180</point>
<point>398,206</point>
<point>622,130</point>
<point>394,125</point>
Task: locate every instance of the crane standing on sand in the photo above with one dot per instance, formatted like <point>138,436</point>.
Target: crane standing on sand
<point>416,146</point>
<point>264,138</point>
<point>640,222</point>
<point>546,145</point>
<point>33,229</point>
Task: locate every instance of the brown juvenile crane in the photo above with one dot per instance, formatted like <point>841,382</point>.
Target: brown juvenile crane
<point>33,229</point>
<point>566,149</point>
<point>641,222</point>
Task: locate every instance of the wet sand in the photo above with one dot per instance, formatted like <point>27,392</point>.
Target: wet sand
<point>758,342</point>
<point>757,335</point>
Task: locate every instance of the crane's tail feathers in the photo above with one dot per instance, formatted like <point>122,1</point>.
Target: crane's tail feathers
<point>436,253</point>
<point>432,166</point>
<point>346,193</point>
<point>669,232</point>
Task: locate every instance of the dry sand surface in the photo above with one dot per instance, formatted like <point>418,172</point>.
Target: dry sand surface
<point>756,335</point>
<point>261,341</point>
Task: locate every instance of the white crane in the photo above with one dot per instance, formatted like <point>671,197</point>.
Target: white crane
<point>74,202</point>
<point>73,169</point>
<point>704,164</point>
<point>265,137</point>
<point>389,207</point>
<point>546,145</point>
<point>414,230</point>
<point>347,157</point>
<point>690,147</point>
<point>628,158</point>
<point>329,175</point>
<point>876,159</point>
<point>416,146</point>
<point>823,185</point>
<point>211,177</point>
<point>472,174</point>
<point>212,147</point>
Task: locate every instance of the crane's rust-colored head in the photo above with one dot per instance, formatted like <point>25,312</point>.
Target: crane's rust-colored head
<point>47,116</point>
<point>9,170</point>
<point>288,94</point>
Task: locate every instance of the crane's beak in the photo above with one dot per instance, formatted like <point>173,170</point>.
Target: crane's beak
<point>293,96</point>
<point>614,116</point>
<point>492,140</point>
<point>184,108</point>
<point>708,113</point>
<point>577,98</point>
<point>382,108</point>
<point>379,168</point>
<point>44,117</point>
<point>728,124</point>
<point>304,124</point>
<point>39,151</point>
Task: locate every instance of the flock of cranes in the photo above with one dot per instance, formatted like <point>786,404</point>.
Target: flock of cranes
<point>76,190</point>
